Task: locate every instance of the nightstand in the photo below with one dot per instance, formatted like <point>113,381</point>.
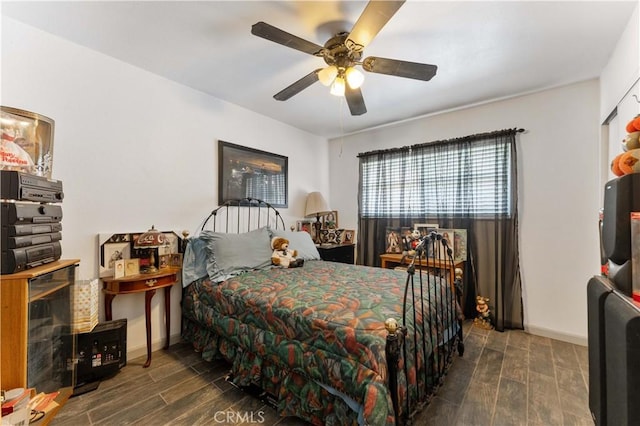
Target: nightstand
<point>147,284</point>
<point>343,253</point>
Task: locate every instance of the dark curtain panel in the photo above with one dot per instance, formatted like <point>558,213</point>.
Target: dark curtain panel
<point>468,183</point>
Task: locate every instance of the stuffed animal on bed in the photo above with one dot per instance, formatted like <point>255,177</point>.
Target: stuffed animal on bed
<point>282,255</point>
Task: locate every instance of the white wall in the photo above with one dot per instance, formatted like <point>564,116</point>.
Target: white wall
<point>134,150</point>
<point>619,83</point>
<point>622,69</point>
<point>558,191</point>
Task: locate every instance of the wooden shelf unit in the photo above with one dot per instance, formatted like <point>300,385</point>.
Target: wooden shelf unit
<point>16,295</point>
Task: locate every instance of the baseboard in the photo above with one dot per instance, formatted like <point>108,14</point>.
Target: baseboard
<point>553,334</point>
<point>139,351</point>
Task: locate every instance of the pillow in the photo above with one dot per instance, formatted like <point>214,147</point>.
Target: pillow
<point>194,261</point>
<point>300,241</point>
<point>231,254</point>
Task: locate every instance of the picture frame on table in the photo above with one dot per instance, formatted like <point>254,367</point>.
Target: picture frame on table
<point>241,169</point>
<point>330,220</point>
<point>119,268</point>
<point>307,226</point>
<point>112,252</point>
<point>331,236</point>
<point>447,234</point>
<point>425,228</point>
<point>163,261</point>
<point>460,245</point>
<point>175,260</point>
<point>131,267</point>
<point>121,246</point>
<point>393,240</point>
<point>348,236</point>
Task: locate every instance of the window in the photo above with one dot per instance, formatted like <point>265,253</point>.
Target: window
<point>453,179</point>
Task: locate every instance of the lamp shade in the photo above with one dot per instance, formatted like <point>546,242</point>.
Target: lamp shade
<point>337,88</point>
<point>354,77</point>
<point>327,75</point>
<point>151,239</point>
<point>316,205</point>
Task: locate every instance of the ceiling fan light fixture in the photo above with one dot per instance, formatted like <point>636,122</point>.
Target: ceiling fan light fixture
<point>327,75</point>
<point>354,77</point>
<point>337,88</point>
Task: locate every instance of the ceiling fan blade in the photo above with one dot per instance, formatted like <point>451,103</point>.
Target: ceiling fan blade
<point>375,16</point>
<point>271,33</point>
<point>355,100</point>
<point>399,68</point>
<point>298,86</point>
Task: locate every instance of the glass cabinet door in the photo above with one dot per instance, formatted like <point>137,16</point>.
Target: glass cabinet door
<point>50,343</point>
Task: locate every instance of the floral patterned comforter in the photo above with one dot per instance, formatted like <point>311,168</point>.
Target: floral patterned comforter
<point>307,334</point>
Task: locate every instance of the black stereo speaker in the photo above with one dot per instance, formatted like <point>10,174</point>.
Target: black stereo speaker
<point>100,353</point>
<point>621,197</point>
<point>622,343</point>
<point>598,289</point>
<point>620,276</point>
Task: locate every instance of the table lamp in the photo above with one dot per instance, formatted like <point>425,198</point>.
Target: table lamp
<point>316,206</point>
<point>152,239</point>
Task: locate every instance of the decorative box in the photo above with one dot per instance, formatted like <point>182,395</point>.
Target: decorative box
<point>26,144</point>
<point>85,305</point>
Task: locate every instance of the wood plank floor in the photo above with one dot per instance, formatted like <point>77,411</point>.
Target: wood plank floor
<point>509,378</point>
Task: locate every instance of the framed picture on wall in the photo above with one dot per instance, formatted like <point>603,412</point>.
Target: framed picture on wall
<point>246,172</point>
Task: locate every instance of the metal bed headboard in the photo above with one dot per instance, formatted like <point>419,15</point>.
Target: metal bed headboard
<point>243,215</point>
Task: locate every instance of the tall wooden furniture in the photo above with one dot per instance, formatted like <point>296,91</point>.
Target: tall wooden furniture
<point>36,315</point>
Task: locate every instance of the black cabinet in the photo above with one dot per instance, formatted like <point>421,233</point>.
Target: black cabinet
<point>343,253</point>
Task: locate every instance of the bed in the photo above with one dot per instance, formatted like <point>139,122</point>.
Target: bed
<point>328,342</point>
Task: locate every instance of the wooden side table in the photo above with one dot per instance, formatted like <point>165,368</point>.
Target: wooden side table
<point>391,260</point>
<point>147,283</point>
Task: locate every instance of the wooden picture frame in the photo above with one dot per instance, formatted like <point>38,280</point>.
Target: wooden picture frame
<point>119,268</point>
<point>331,236</point>
<point>121,246</point>
<point>460,245</point>
<point>348,236</point>
<point>247,172</point>
<point>164,260</point>
<point>393,242</point>
<point>330,220</point>
<point>131,267</point>
<point>175,260</point>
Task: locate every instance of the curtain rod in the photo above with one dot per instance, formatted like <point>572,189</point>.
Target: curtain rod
<point>445,141</point>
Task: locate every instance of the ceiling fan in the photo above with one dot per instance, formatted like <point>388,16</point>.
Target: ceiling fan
<point>343,52</point>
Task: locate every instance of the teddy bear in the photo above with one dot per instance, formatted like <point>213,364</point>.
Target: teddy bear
<point>282,255</point>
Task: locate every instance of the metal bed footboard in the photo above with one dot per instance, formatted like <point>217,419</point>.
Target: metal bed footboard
<point>438,355</point>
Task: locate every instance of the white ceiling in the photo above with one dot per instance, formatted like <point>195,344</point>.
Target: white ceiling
<point>484,50</point>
